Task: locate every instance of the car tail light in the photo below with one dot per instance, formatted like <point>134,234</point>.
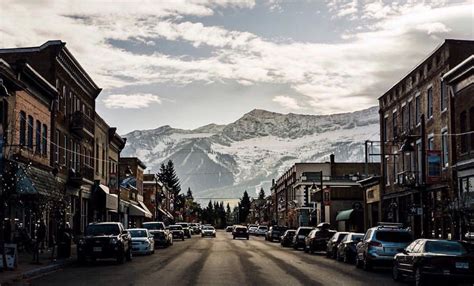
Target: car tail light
<point>375,244</point>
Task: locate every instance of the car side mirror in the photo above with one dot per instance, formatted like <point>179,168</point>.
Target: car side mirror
<point>124,232</point>
<point>404,251</point>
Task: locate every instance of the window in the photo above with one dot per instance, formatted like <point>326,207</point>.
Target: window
<point>418,109</point>
<point>444,143</point>
<point>386,173</point>
<point>395,169</point>
<point>97,157</point>
<point>103,161</point>
<point>429,110</point>
<point>56,146</point>
<point>38,137</point>
<point>22,128</point>
<point>385,129</point>
<point>444,96</point>
<point>64,151</point>
<point>30,132</point>
<point>431,142</point>
<point>44,148</point>
<point>419,154</point>
<point>463,126</point>
<point>471,127</point>
<point>410,116</point>
<point>394,124</point>
<point>405,118</point>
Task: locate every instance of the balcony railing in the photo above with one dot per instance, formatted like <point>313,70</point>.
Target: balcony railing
<point>408,179</point>
<point>81,124</point>
<point>81,176</point>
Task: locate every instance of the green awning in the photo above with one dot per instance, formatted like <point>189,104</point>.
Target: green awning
<point>344,215</point>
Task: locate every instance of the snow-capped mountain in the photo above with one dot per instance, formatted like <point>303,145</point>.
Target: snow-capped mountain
<point>221,161</point>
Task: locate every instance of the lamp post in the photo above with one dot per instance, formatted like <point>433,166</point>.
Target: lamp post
<point>315,189</point>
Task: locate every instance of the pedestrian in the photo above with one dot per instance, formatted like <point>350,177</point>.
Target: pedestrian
<point>41,235</point>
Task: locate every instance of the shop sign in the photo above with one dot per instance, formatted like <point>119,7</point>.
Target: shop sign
<point>11,254</point>
<point>434,166</point>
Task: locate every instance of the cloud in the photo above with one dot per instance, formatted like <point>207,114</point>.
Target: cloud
<point>287,102</point>
<point>391,37</point>
<point>130,101</point>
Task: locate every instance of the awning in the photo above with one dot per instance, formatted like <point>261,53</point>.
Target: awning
<point>148,212</point>
<point>111,200</point>
<point>138,211</point>
<point>344,215</point>
<point>165,213</point>
<point>32,180</point>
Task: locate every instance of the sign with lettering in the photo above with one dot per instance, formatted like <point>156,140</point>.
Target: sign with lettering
<point>11,254</point>
<point>434,166</point>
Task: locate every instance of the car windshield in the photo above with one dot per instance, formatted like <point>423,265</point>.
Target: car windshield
<point>263,227</point>
<point>176,227</point>
<point>356,237</point>
<point>103,229</point>
<point>183,224</point>
<point>240,229</point>
<point>304,231</point>
<point>445,247</point>
<point>341,237</point>
<point>394,236</point>
<point>208,228</point>
<point>153,226</point>
<point>138,233</point>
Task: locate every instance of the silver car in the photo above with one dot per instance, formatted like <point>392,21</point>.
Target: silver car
<point>381,243</point>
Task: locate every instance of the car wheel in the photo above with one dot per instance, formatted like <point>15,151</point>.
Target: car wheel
<point>233,237</point>
<point>311,250</point>
<point>248,238</point>
<point>338,257</point>
<point>419,278</point>
<point>120,258</point>
<point>366,265</point>
<point>182,238</point>
<point>357,262</point>
<point>396,273</point>
<point>305,249</point>
<point>129,255</point>
<point>345,259</point>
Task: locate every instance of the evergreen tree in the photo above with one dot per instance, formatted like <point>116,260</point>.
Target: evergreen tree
<point>244,207</point>
<point>189,194</point>
<point>167,176</point>
<point>261,194</point>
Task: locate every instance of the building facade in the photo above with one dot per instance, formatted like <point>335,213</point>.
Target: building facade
<point>416,157</point>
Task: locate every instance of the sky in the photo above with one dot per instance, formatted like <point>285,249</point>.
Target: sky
<point>191,63</point>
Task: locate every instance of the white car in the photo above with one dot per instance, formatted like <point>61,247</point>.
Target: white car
<point>253,230</point>
<point>208,231</point>
<point>261,230</point>
<point>142,241</point>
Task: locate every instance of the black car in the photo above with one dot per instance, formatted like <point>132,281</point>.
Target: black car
<point>435,259</point>
<point>240,231</point>
<point>346,250</point>
<point>300,236</point>
<point>176,231</point>
<point>161,235</point>
<point>287,238</point>
<point>331,248</point>
<point>275,232</point>
<point>187,230</point>
<point>105,240</point>
<point>317,239</point>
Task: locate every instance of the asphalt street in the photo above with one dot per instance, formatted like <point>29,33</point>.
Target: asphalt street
<point>219,261</point>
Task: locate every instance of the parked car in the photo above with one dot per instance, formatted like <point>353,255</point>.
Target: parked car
<point>346,250</point>
<point>275,232</point>
<point>434,259</point>
<point>142,241</point>
<point>261,230</point>
<point>252,230</point>
<point>195,228</point>
<point>300,235</point>
<point>333,242</point>
<point>208,231</point>
<point>229,228</point>
<point>317,239</point>
<point>177,231</point>
<point>240,231</point>
<point>105,240</point>
<point>287,238</point>
<point>186,229</point>
<point>161,235</point>
<point>380,244</point>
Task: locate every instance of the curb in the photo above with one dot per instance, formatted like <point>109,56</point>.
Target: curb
<point>46,269</point>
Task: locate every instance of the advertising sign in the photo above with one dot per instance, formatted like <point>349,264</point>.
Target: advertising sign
<point>11,255</point>
<point>434,166</point>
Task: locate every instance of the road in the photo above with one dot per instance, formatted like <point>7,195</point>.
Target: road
<point>219,261</point>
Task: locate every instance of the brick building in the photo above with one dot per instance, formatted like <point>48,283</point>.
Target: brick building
<point>302,196</point>
<point>157,198</point>
<point>414,116</point>
<point>460,82</point>
<point>28,176</point>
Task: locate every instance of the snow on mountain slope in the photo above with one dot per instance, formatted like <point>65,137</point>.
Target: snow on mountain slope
<point>221,161</point>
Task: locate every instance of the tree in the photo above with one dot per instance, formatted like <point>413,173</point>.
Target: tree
<point>244,207</point>
<point>189,194</point>
<point>261,194</point>
<point>167,176</point>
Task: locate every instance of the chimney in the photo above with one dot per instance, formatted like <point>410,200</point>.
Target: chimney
<point>331,158</point>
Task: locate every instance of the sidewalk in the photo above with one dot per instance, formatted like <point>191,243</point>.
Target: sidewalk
<point>26,268</point>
